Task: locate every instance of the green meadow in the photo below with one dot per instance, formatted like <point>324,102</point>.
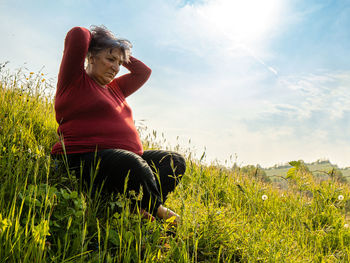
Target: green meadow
<point>229,214</point>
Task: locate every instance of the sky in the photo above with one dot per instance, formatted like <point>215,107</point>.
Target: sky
<point>251,82</point>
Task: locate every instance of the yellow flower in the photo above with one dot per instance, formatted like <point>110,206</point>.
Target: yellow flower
<point>40,232</point>
<point>4,223</point>
<point>171,219</point>
<point>31,73</point>
<point>42,74</point>
<point>13,149</point>
<point>37,151</point>
<point>42,80</point>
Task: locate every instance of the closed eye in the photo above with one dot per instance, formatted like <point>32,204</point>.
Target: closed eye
<point>120,62</point>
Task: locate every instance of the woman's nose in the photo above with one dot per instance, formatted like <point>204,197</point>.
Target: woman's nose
<point>115,67</point>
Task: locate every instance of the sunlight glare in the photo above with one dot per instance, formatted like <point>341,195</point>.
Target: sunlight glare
<point>243,21</point>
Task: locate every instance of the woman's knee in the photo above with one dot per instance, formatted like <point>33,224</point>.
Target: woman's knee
<point>119,157</point>
<point>179,163</point>
<point>120,165</point>
<point>124,161</point>
<point>160,158</point>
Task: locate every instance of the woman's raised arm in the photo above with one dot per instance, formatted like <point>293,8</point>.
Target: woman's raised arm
<point>130,82</point>
<point>76,46</point>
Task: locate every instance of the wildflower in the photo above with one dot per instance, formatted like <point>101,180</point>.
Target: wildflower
<point>31,73</point>
<point>340,197</point>
<point>171,219</point>
<point>27,78</point>
<point>40,232</point>
<point>346,225</point>
<point>29,150</point>
<point>42,74</point>
<point>42,80</point>
<point>264,197</point>
<point>4,223</point>
<point>37,151</point>
<point>13,149</point>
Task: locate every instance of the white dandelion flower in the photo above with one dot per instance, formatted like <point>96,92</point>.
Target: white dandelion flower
<point>340,197</point>
<point>264,197</point>
<point>346,225</point>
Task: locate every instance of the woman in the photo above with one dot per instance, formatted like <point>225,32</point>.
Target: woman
<point>96,123</point>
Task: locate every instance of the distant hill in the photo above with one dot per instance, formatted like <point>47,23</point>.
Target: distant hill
<point>318,168</point>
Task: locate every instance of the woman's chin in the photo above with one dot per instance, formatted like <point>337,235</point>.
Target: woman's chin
<point>109,80</point>
<point>106,81</point>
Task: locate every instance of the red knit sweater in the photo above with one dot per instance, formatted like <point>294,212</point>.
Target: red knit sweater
<point>91,117</point>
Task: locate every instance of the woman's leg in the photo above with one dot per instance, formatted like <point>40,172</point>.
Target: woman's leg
<point>115,165</point>
<point>170,167</point>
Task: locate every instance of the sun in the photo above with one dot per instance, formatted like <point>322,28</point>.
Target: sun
<point>243,21</point>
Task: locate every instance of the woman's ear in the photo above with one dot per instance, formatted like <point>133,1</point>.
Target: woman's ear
<point>91,59</point>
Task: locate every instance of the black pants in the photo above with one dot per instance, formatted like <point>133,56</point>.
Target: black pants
<point>157,172</point>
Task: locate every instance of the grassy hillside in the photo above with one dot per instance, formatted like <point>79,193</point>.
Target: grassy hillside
<point>229,215</point>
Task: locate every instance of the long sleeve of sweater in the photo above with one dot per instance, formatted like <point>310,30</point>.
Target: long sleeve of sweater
<point>130,82</point>
<point>76,46</point>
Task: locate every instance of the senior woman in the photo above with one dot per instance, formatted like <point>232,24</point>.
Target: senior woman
<point>96,123</point>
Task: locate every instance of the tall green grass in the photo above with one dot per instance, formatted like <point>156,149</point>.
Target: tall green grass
<point>228,214</point>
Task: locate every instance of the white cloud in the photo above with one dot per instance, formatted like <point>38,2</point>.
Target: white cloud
<point>315,106</point>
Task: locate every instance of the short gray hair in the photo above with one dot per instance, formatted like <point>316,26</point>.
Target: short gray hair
<point>103,39</point>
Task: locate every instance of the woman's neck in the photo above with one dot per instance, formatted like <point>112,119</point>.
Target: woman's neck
<point>92,76</point>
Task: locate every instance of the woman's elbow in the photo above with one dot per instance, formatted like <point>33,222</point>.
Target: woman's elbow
<point>148,73</point>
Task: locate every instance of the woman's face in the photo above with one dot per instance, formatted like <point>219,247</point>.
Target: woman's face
<point>104,66</point>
